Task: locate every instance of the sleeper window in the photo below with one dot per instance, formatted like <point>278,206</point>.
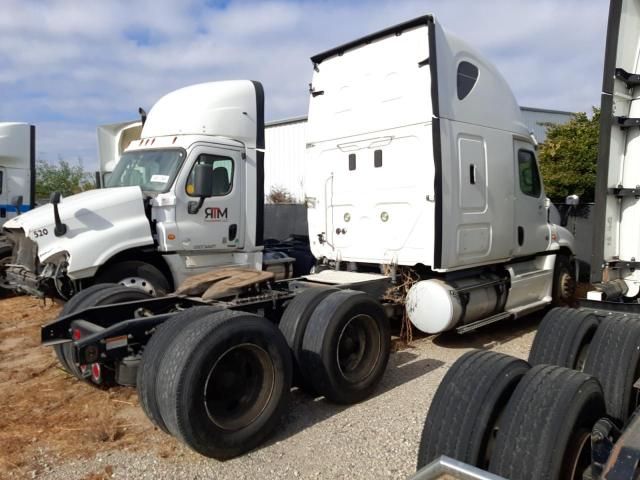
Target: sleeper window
<point>466,78</point>
<point>222,174</point>
<point>528,173</point>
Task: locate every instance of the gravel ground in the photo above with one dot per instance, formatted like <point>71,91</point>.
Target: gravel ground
<point>377,438</point>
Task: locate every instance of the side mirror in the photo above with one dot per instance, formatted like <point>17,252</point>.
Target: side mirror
<point>202,187</point>
<point>572,200</point>
<point>60,228</point>
<point>203,181</point>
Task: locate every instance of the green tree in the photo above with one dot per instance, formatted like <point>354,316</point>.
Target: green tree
<point>568,157</point>
<point>63,177</point>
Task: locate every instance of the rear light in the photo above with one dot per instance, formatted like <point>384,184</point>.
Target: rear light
<point>76,334</point>
<point>96,374</point>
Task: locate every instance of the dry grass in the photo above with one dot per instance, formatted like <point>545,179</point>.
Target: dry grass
<point>44,408</point>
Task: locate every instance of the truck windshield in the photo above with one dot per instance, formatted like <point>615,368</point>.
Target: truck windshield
<point>151,170</point>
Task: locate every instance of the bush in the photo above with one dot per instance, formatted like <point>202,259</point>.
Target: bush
<point>280,194</point>
<point>568,157</point>
<point>63,177</point>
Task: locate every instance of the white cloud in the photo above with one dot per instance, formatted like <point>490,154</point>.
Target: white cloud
<point>67,66</point>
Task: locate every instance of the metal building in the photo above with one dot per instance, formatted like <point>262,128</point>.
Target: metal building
<point>536,118</point>
<point>285,147</point>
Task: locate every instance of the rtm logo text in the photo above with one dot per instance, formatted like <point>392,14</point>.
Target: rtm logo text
<point>215,214</point>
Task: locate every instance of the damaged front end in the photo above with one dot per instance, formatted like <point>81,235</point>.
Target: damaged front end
<point>24,273</point>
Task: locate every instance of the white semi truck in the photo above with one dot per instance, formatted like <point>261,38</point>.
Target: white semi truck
<point>424,197</point>
<point>572,410</point>
<point>147,227</point>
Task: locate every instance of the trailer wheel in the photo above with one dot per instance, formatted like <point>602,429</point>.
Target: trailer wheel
<point>136,274</point>
<point>546,427</point>
<point>563,338</point>
<point>78,301</point>
<point>224,383</point>
<point>152,354</point>
<point>614,359</point>
<point>107,295</point>
<point>294,323</point>
<point>346,346</point>
<point>463,416</point>
<point>564,281</point>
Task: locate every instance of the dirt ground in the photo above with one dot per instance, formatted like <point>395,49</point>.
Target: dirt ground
<point>44,407</point>
<point>55,426</point>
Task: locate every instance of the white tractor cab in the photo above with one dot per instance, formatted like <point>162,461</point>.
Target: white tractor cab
<point>17,174</point>
<point>419,160</point>
<point>183,199</point>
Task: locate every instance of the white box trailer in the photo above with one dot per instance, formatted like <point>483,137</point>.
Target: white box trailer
<point>615,265</point>
<point>17,174</point>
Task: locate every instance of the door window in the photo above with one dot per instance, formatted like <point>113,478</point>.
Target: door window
<point>222,174</point>
<point>528,172</point>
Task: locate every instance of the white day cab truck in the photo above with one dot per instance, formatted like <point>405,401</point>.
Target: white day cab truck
<point>424,199</point>
<point>146,229</point>
<point>17,175</point>
<point>571,410</point>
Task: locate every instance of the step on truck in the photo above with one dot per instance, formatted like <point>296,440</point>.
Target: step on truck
<point>571,411</point>
<point>424,201</point>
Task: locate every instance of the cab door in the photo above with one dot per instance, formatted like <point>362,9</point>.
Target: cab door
<point>531,226</point>
<point>217,226</point>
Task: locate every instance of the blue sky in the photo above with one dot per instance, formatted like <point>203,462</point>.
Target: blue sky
<point>68,65</point>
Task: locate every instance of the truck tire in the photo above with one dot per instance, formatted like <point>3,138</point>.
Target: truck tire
<point>154,350</point>
<point>563,338</point>
<point>79,301</point>
<point>346,346</point>
<point>545,430</point>
<point>136,274</point>
<point>614,359</point>
<point>107,295</point>
<point>564,281</point>
<point>5,258</point>
<point>224,383</point>
<point>294,323</point>
<point>463,415</point>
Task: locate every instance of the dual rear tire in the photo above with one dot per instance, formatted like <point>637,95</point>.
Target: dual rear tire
<point>340,342</point>
<point>217,380</point>
<point>220,380</point>
<point>495,412</point>
<point>539,425</point>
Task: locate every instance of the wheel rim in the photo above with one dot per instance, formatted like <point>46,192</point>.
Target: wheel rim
<point>239,386</point>
<point>567,286</point>
<point>359,347</point>
<point>139,283</point>
<point>578,455</point>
